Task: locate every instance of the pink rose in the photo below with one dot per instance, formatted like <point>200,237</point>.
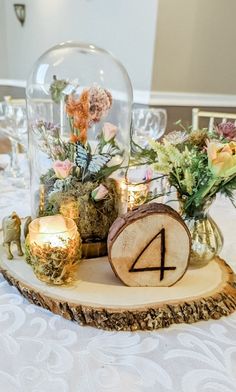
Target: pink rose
<point>99,193</point>
<point>109,131</point>
<point>62,168</point>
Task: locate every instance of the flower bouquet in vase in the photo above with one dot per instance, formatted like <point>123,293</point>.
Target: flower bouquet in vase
<point>198,165</point>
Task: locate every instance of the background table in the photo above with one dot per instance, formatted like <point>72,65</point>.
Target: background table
<point>42,352</point>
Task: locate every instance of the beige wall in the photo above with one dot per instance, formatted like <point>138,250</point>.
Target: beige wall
<point>3,49</point>
<point>121,26</point>
<point>195,46</point>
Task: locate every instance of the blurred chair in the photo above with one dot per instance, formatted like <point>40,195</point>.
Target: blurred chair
<point>197,113</point>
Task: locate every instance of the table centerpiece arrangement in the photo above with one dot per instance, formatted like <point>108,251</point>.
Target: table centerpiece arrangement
<point>79,110</point>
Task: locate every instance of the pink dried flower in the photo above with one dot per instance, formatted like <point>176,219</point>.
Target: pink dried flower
<point>109,131</point>
<point>99,193</point>
<point>227,130</point>
<point>62,168</point>
<point>100,101</point>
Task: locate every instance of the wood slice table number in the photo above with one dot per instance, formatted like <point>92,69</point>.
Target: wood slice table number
<point>149,246</point>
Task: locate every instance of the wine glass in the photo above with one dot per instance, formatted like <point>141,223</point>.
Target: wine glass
<point>13,124</point>
<point>17,120</point>
<point>147,123</point>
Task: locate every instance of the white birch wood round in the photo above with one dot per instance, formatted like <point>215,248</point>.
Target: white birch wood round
<point>99,299</point>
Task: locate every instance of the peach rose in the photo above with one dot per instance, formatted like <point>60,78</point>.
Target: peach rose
<point>109,131</point>
<point>62,168</point>
<point>222,158</point>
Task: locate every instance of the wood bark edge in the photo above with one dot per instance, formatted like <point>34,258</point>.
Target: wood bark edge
<point>141,212</point>
<point>152,317</point>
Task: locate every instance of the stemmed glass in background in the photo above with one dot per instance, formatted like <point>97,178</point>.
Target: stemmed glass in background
<point>147,124</point>
<point>13,124</point>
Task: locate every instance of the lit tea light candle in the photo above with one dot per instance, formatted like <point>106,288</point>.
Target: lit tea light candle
<point>49,229</point>
<point>54,248</point>
<point>135,194</point>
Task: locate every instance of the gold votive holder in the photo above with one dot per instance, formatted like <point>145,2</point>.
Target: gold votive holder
<point>135,194</point>
<point>54,248</point>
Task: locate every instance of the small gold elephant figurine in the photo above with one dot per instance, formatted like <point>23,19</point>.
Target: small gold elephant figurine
<point>11,226</point>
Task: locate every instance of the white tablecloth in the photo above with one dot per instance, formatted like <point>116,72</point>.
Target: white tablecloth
<point>41,352</point>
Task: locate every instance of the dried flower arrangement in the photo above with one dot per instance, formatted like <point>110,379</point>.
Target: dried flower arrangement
<point>78,184</point>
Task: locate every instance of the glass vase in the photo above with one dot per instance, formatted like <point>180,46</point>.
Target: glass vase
<point>207,239</point>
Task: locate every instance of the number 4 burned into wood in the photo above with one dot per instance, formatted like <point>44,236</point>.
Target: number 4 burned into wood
<point>162,267</point>
<point>142,246</point>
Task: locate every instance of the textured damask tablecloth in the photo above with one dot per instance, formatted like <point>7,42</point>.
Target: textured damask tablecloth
<point>41,352</point>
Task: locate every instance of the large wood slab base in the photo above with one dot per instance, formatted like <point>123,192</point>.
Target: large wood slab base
<point>100,300</point>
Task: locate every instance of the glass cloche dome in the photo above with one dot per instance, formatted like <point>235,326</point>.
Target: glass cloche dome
<point>79,101</point>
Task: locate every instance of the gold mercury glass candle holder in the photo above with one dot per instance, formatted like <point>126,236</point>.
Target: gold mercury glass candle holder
<point>136,194</point>
<point>53,248</point>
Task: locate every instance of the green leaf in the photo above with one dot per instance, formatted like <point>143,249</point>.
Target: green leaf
<point>178,122</point>
<point>56,89</point>
<point>107,171</point>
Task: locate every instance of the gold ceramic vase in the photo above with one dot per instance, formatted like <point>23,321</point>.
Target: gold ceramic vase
<point>207,239</point>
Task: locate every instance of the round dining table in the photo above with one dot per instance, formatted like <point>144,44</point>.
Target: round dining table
<point>43,352</point>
